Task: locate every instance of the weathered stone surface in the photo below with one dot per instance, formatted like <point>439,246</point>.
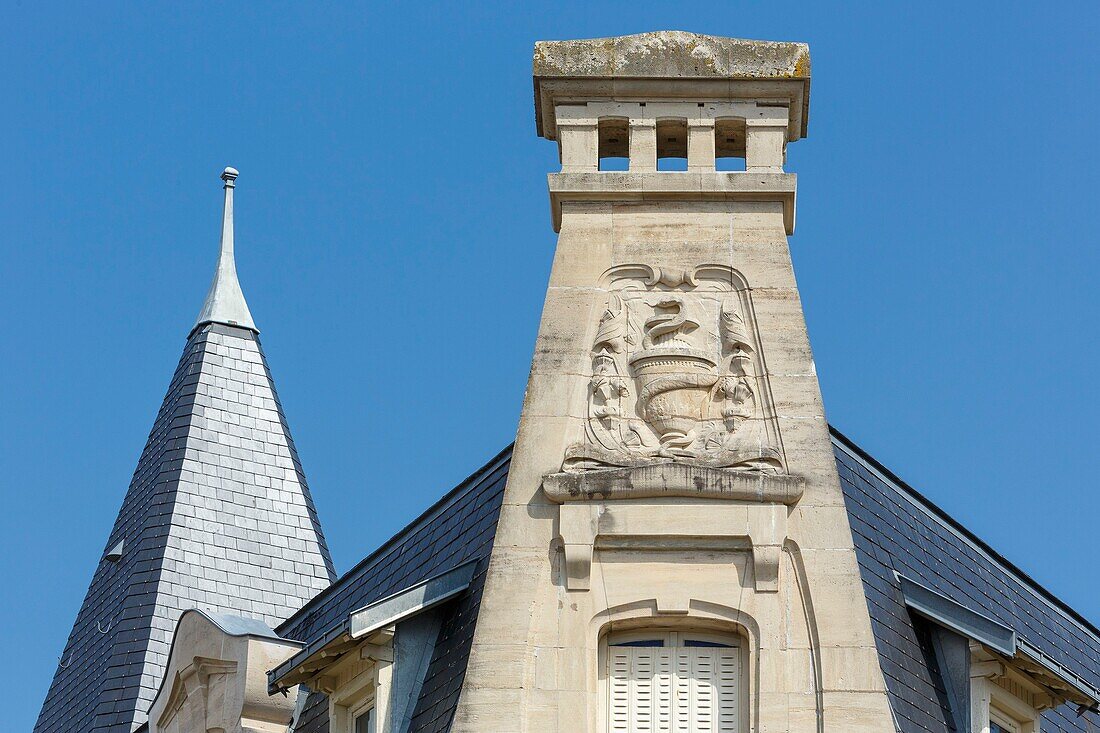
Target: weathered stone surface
<point>636,69</point>
<point>648,481</point>
<point>676,54</point>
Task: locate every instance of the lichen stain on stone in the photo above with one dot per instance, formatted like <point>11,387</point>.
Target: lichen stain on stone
<point>802,66</point>
<point>673,53</point>
<point>697,51</point>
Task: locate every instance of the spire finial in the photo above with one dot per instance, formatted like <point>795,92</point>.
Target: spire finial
<point>225,302</point>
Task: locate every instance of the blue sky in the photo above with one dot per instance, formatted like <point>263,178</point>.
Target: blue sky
<point>394,242</point>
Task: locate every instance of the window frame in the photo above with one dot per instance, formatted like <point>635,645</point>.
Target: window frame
<point>1004,723</point>
<point>672,637</point>
<point>353,699</point>
<point>993,704</point>
<point>364,708</point>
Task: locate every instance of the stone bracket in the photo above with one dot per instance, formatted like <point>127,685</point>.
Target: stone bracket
<point>585,527</point>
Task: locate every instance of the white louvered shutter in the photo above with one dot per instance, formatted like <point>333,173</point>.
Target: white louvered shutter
<point>729,689</point>
<point>633,687</point>
<point>672,690</point>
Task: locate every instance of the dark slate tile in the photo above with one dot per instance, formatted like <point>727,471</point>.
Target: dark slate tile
<point>459,528</point>
<point>895,528</point>
<point>113,657</point>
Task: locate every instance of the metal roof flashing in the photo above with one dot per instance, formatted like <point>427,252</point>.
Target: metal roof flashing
<point>957,617</point>
<point>942,610</point>
<point>373,617</point>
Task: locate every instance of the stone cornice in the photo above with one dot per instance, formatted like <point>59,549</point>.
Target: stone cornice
<point>671,479</point>
<point>674,186</point>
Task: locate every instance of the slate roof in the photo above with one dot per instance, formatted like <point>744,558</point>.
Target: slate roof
<point>894,527</point>
<point>459,528</point>
<point>898,530</point>
<point>218,516</point>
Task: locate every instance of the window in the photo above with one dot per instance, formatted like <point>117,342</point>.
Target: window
<point>353,706</point>
<point>1001,722</point>
<point>729,144</point>
<point>364,722</point>
<point>675,681</point>
<point>672,147</point>
<point>997,706</point>
<point>614,144</point>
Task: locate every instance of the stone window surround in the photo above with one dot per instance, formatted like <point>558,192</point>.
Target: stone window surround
<point>358,695</point>
<point>716,622</point>
<point>586,526</point>
<point>990,702</point>
<point>765,134</point>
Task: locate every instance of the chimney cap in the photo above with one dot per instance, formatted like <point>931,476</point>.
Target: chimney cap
<point>669,64</point>
<point>672,54</point>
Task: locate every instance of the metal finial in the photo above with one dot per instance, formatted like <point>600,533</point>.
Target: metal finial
<point>225,302</point>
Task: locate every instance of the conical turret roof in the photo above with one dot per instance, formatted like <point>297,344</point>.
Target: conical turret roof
<point>218,516</point>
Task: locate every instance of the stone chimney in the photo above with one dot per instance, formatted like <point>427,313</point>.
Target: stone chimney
<point>673,483</point>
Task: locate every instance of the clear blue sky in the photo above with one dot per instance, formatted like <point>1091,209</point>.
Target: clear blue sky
<point>394,243</point>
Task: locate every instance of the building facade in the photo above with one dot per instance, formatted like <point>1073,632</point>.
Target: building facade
<point>678,540</point>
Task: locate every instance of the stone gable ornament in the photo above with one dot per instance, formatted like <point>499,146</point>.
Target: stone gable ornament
<point>677,376</point>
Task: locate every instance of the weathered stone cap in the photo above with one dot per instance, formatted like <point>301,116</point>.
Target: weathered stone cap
<point>670,65</point>
<point>677,54</point>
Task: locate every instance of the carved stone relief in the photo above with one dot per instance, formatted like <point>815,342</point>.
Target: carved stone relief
<point>677,375</point>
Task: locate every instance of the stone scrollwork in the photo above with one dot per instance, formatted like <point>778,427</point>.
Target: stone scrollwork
<point>677,375</point>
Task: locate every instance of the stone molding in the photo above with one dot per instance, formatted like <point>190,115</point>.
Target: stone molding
<point>760,529</point>
<point>668,479</point>
<point>675,186</point>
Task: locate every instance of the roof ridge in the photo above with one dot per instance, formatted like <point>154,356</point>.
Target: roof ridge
<point>468,484</point>
<point>928,505</point>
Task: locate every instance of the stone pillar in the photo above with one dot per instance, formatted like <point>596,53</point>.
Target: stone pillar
<point>579,145</point>
<point>701,144</point>
<point>765,144</point>
<point>643,145</point>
